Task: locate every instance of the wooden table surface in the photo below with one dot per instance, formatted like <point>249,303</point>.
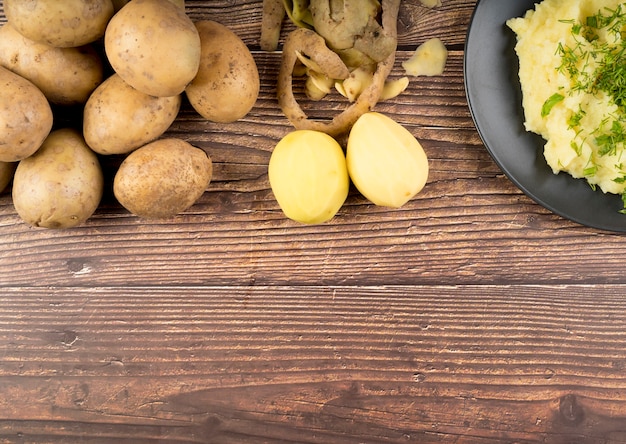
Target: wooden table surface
<point>470,315</point>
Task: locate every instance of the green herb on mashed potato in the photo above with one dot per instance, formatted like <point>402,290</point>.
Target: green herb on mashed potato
<point>572,71</point>
<point>548,104</point>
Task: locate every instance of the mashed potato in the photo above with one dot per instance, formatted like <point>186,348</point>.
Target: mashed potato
<point>572,62</point>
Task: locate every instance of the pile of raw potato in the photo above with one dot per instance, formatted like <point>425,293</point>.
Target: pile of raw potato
<point>48,62</point>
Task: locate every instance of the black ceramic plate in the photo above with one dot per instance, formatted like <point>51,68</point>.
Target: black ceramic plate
<point>494,96</point>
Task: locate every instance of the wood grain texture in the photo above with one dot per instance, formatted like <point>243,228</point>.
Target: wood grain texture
<point>470,315</point>
<point>236,234</point>
<point>314,365</point>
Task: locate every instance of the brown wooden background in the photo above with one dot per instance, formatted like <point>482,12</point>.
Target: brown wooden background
<point>471,315</point>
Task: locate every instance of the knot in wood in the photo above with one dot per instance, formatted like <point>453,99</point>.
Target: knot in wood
<point>571,411</point>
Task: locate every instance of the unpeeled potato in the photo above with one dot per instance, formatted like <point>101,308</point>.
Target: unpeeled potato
<point>60,186</point>
<point>65,24</point>
<point>162,178</point>
<point>119,4</point>
<point>25,117</point>
<point>227,84</point>
<point>154,46</point>
<point>66,76</point>
<point>118,119</point>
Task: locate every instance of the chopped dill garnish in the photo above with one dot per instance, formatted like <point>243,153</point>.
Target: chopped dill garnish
<point>570,63</point>
<point>595,64</point>
<point>611,76</point>
<point>613,20</point>
<point>608,142</point>
<point>574,119</point>
<point>610,73</point>
<point>578,149</point>
<point>590,171</point>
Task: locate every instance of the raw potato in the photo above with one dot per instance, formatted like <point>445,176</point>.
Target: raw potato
<point>61,185</point>
<point>162,179</point>
<point>385,162</point>
<point>25,117</point>
<point>118,4</point>
<point>393,88</point>
<point>227,84</point>
<point>429,59</point>
<point>154,46</point>
<point>65,24</point>
<point>66,76</point>
<point>118,119</point>
<point>6,174</point>
<point>308,175</point>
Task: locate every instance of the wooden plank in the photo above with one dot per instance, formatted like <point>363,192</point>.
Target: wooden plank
<point>303,364</point>
<point>236,234</point>
<point>471,315</point>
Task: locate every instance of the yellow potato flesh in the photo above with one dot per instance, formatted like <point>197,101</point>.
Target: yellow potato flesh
<point>429,59</point>
<point>385,162</point>
<point>308,176</point>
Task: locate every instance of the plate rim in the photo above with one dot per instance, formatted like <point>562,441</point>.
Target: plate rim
<point>483,132</point>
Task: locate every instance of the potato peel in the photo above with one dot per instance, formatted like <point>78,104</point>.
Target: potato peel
<point>311,44</point>
<point>273,14</point>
